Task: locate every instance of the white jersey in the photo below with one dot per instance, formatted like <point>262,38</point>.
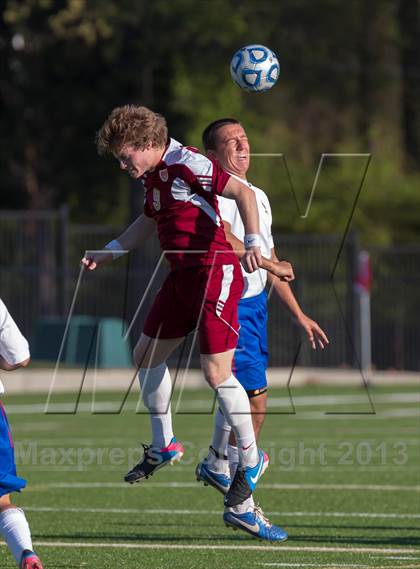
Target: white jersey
<point>14,347</point>
<point>254,282</point>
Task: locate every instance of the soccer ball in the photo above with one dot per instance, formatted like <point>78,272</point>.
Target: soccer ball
<point>255,68</point>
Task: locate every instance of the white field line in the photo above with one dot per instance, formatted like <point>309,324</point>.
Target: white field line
<point>335,565</point>
<point>412,398</point>
<point>322,565</point>
<point>269,548</point>
<point>150,511</point>
<point>320,415</point>
<point>327,487</point>
<point>277,564</point>
<point>406,558</point>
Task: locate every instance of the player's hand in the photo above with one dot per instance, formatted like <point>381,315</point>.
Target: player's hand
<point>95,259</point>
<point>283,270</point>
<point>252,260</point>
<point>315,333</point>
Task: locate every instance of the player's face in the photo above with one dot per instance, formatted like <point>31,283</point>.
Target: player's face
<point>232,149</point>
<point>136,162</point>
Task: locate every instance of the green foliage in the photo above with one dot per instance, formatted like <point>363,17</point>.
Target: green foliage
<point>68,62</point>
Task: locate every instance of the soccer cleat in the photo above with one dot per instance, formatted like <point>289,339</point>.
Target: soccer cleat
<point>245,481</point>
<point>154,459</point>
<point>30,560</point>
<point>256,524</point>
<point>210,477</point>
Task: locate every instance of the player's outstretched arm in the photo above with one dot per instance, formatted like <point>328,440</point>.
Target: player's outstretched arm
<point>140,230</point>
<point>281,269</point>
<point>247,206</point>
<point>316,335</point>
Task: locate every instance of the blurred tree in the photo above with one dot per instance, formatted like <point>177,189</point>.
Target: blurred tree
<point>66,63</point>
<point>409,21</point>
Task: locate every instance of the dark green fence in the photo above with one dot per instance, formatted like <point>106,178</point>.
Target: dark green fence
<point>39,272</point>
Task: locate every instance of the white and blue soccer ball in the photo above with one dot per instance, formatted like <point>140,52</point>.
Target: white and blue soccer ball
<point>255,68</point>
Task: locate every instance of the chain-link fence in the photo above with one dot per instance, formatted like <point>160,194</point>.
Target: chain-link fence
<point>39,271</point>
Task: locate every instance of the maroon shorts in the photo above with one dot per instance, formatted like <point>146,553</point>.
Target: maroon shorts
<point>204,298</point>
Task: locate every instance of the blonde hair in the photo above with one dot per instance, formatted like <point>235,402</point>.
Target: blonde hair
<point>131,125</point>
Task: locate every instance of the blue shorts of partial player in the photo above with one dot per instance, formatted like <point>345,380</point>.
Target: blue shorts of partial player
<point>251,355</point>
<point>9,481</point>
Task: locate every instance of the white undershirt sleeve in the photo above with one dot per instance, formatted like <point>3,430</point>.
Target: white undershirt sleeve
<point>14,347</point>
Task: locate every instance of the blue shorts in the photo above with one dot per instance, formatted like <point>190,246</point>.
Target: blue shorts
<point>9,482</point>
<point>251,356</point>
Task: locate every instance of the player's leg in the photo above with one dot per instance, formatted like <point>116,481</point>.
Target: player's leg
<point>14,527</point>
<point>218,338</point>
<point>242,513</point>
<point>164,330</point>
<point>150,355</point>
<point>250,361</point>
<point>258,404</point>
<point>214,469</point>
<point>234,403</point>
<point>249,368</point>
<point>15,530</point>
<point>248,516</point>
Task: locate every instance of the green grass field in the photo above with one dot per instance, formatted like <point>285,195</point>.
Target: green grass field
<point>345,486</point>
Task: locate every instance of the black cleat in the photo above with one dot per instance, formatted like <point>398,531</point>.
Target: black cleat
<point>153,459</point>
<point>245,481</point>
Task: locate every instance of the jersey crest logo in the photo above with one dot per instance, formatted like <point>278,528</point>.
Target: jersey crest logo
<point>156,199</point>
<point>163,175</point>
<point>265,208</point>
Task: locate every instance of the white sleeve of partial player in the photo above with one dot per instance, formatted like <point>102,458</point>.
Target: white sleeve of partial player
<point>226,209</point>
<point>14,347</point>
<point>270,238</point>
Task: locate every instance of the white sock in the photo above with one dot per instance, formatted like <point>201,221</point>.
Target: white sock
<point>218,462</point>
<point>217,456</point>
<point>234,403</point>
<point>245,506</point>
<point>15,530</point>
<point>156,390</point>
<point>221,434</point>
<point>233,457</point>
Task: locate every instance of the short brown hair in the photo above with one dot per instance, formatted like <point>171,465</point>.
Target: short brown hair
<point>209,133</point>
<point>131,125</point>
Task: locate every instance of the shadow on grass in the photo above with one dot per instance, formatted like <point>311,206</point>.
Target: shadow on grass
<point>103,538</point>
<point>364,528</point>
<point>354,540</point>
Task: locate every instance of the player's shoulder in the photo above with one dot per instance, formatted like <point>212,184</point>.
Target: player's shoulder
<point>261,196</point>
<point>259,192</point>
<point>189,157</point>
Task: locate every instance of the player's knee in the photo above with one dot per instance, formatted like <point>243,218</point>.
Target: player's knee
<point>5,502</point>
<point>139,356</point>
<point>137,359</point>
<point>214,377</point>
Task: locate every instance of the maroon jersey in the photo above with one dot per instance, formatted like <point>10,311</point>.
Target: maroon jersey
<point>181,196</point>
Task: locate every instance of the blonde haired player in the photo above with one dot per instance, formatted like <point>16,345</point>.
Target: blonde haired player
<point>14,353</point>
<point>201,291</point>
